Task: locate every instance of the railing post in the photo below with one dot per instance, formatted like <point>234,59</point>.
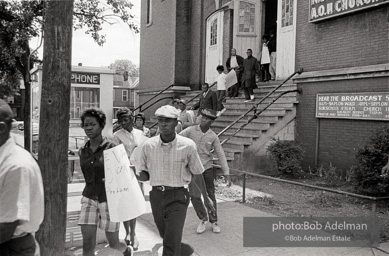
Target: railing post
<point>244,188</point>
<point>373,216</point>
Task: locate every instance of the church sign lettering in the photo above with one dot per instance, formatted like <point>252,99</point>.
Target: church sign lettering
<point>324,9</point>
<point>85,78</point>
<point>368,105</point>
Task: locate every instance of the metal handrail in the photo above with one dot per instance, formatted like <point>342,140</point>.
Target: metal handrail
<point>164,98</point>
<point>254,107</point>
<point>191,99</point>
<point>256,114</point>
<point>140,106</point>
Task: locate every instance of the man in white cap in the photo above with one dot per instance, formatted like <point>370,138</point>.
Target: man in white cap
<point>206,141</point>
<point>170,161</point>
<point>21,193</point>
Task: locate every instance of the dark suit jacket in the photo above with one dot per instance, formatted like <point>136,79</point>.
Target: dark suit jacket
<point>239,59</point>
<point>209,102</point>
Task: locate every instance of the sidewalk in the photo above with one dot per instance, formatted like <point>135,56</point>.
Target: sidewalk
<point>227,243</point>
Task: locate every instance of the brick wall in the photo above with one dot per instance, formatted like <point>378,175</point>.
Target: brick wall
<point>157,49</point>
<point>356,39</point>
<point>339,138</point>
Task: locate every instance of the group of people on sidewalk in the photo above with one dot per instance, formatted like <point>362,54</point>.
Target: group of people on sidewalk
<point>172,162</point>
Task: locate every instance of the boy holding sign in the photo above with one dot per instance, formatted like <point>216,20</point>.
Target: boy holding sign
<point>94,207</point>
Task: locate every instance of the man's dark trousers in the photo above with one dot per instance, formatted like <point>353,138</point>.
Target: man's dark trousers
<point>22,246</point>
<point>198,204</point>
<point>169,209</point>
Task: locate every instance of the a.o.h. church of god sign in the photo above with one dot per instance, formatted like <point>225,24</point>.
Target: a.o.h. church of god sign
<point>325,9</point>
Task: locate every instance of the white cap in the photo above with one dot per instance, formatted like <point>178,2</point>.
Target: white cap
<point>168,111</point>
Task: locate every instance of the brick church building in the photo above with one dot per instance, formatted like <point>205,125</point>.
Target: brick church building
<point>342,45</point>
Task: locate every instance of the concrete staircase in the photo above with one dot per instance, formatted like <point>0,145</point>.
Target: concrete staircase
<point>261,130</point>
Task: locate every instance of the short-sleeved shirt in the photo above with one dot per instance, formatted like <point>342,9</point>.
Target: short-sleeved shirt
<point>128,139</point>
<point>221,82</point>
<point>170,164</point>
<point>92,166</point>
<point>21,189</point>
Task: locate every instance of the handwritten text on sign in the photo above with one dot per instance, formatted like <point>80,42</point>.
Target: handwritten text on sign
<point>369,105</point>
<point>125,199</point>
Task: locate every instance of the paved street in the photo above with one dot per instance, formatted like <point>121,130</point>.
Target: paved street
<point>228,243</point>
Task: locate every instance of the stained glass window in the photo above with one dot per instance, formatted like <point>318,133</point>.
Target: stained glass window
<point>246,17</point>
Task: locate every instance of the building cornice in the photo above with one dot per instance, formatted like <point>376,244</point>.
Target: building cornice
<point>372,71</point>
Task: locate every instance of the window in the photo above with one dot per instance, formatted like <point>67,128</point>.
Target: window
<point>148,12</point>
<point>287,13</point>
<point>246,17</point>
<point>214,32</point>
<point>124,95</point>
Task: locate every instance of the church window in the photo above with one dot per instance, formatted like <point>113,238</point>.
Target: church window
<point>214,32</point>
<point>246,17</point>
<point>287,13</point>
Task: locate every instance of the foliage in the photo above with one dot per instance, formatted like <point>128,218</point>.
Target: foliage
<point>371,158</point>
<point>20,21</point>
<point>125,65</point>
<point>287,155</point>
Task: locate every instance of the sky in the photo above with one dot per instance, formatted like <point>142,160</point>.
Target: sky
<point>121,43</point>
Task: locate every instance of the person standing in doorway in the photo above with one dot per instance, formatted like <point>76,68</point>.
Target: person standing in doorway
<point>272,45</point>
<point>21,193</point>
<point>235,62</point>
<point>170,162</point>
<point>265,58</point>
<point>250,69</point>
<point>129,137</point>
<point>206,141</point>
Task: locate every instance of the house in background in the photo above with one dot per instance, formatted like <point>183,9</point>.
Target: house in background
<point>124,89</point>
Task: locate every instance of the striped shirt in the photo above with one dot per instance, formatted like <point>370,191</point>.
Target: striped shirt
<point>205,142</point>
<point>170,164</point>
<point>130,140</point>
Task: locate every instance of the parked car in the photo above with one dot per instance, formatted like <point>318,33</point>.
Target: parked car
<point>17,124</point>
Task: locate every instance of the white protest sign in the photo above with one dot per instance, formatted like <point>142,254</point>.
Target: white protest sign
<point>231,79</point>
<point>125,199</point>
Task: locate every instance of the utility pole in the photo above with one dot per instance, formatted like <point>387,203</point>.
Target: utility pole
<point>54,124</point>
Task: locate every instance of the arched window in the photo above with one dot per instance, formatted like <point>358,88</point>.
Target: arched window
<point>214,32</point>
<point>246,17</point>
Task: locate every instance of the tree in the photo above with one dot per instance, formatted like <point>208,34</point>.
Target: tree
<point>125,65</point>
<point>53,142</point>
<point>22,20</point>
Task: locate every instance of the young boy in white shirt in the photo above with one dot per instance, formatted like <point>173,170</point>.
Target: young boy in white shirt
<point>221,89</point>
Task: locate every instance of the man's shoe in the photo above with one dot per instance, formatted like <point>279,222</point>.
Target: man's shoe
<point>247,100</point>
<point>218,113</point>
<point>201,227</point>
<point>215,228</point>
<point>129,251</point>
<point>222,111</point>
<point>252,97</point>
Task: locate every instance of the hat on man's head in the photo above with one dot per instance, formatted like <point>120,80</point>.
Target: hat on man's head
<point>5,111</point>
<point>209,113</point>
<point>168,112</point>
<point>182,101</point>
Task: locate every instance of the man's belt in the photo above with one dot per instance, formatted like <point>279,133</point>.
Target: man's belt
<point>166,188</point>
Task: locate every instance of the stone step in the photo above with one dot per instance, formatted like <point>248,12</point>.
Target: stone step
<point>231,152</point>
<point>267,112</point>
<point>235,145</point>
<point>240,136</point>
<point>229,115</point>
<point>259,120</point>
<point>248,105</point>
<point>250,126</point>
<point>253,132</point>
<point>283,99</point>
